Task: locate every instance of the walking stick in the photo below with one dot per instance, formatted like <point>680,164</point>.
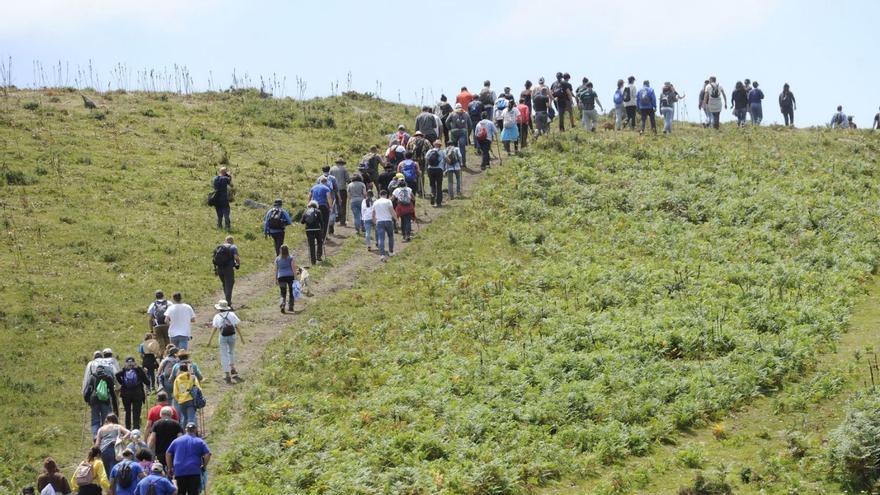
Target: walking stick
<point>498,147</point>
<point>82,436</point>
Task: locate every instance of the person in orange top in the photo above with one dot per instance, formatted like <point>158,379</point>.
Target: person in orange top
<point>464,98</point>
<point>525,117</point>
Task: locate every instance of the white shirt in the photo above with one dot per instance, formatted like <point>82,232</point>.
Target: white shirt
<point>397,192</point>
<point>180,315</point>
<point>384,210</point>
<point>367,211</point>
<point>715,103</point>
<point>230,316</point>
<point>632,95</point>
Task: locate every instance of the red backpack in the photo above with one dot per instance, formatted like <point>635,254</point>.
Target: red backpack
<point>482,133</point>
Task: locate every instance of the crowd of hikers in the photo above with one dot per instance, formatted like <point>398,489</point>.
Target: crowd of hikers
<point>166,455</point>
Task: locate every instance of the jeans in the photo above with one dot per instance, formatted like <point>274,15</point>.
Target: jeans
<point>108,457</point>
<point>708,115</point>
<point>462,147</point>
<point>278,239</point>
<point>227,348</point>
<point>457,175</point>
<point>716,119</point>
<point>757,113</point>
<point>631,116</point>
<point>740,114</point>
<point>435,178</point>
<point>648,113</point>
<point>189,485</point>
<point>619,116</point>
<point>325,220</point>
<point>315,240</point>
<point>186,413</point>
<point>523,135</point>
<point>285,285</point>
<point>180,341</point>
<point>222,214</point>
<point>788,115</point>
<point>542,123</point>
<point>383,229</point>
<point>667,113</point>
<point>356,214</point>
<point>100,410</point>
<point>227,280</point>
<point>132,412</point>
<point>406,225</point>
<point>368,226</point>
<point>486,150</point>
<point>343,199</point>
<point>589,119</point>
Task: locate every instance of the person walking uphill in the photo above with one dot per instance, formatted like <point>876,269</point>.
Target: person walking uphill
<point>184,385</point>
<point>435,159</point>
<point>98,389</point>
<point>132,379</point>
<point>313,220</point>
<point>321,194</point>
<point>459,123</point>
<point>668,97</point>
<point>647,102</point>
<point>106,439</point>
<point>342,178</point>
<point>357,190</point>
<point>629,102</point>
<point>428,124</point>
<point>219,199</point>
<point>156,319</point>
<point>839,120</point>
<point>274,224</point>
<point>587,100</point>
<point>452,165</point>
<point>444,110</point>
<point>285,274</point>
<point>180,318</point>
<point>90,476</point>
<point>155,483</point>
<point>52,476</point>
<point>787,104</point>
<point>756,110</point>
<point>228,323</point>
<point>384,218</point>
<point>562,95</point>
<point>226,261</point>
<point>740,101</point>
<point>485,132</point>
<point>187,457</point>
<point>713,96</point>
<point>125,475</point>
<point>418,147</point>
<point>510,128</point>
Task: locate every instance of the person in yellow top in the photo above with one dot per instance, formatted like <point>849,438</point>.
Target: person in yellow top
<point>185,381</point>
<point>94,482</point>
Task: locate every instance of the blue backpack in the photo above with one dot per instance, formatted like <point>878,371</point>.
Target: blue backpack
<point>618,97</point>
<point>410,170</point>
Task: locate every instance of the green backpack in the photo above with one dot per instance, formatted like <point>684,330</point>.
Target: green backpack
<point>102,392</point>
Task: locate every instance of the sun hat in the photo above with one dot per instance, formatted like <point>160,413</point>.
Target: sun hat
<point>157,468</point>
<point>399,176</point>
<point>222,305</point>
<point>419,133</point>
<point>458,106</point>
<point>340,161</point>
<point>401,127</point>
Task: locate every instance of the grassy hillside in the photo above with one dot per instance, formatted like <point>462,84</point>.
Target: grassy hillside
<point>102,207</point>
<point>601,295</point>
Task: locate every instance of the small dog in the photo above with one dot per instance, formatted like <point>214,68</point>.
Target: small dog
<point>304,280</point>
<point>608,126</point>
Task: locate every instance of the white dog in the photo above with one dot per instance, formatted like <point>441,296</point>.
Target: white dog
<point>304,280</point>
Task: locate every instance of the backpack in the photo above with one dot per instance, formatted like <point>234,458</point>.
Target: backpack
<point>102,391</point>
<point>458,121</point>
<point>714,93</point>
<point>124,476</point>
<point>558,90</point>
<point>227,328</point>
<point>130,378</point>
<point>199,400</point>
<point>486,97</point>
<point>482,133</point>
<point>618,97</point>
<point>100,377</point>
<point>276,219</point>
<point>501,104</point>
<point>310,217</point>
<point>665,100</point>
<point>48,490</point>
<point>152,347</point>
<point>405,196</point>
<point>451,156</point>
<point>84,474</point>
<point>509,118</point>
<point>433,158</point>
<point>151,490</point>
<point>627,94</point>
<point>645,97</point>
<point>475,110</point>
<point>159,308</point>
<point>223,255</point>
<point>409,171</point>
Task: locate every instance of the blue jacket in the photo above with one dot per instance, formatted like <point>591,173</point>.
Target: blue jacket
<point>284,215</point>
<point>651,96</point>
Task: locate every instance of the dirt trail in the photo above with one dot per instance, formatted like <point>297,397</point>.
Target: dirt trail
<point>262,321</point>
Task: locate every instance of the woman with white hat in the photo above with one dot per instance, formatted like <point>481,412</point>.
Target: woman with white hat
<point>227,322</point>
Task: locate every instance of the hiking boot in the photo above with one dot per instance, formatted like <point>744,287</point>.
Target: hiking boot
<point>290,306</point>
<point>228,379</point>
<point>282,304</point>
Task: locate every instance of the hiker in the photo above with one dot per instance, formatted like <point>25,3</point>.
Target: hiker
<point>629,102</point>
<point>668,98</point>
<point>756,110</point>
<point>740,101</point>
<point>850,123</point>
<point>475,112</point>
<point>150,352</point>
<point>132,379</point>
<point>704,108</point>
<point>839,120</point>
<point>183,385</point>
<point>401,137</point>
<point>313,220</point>
<point>322,195</point>
<point>443,110</point>
<point>186,458</point>
<point>747,85</point>
<point>487,96</point>
<point>226,260</point>
<point>369,168</point>
<point>285,274</point>
<point>485,132</point>
<point>453,161</point>
<point>787,104</point>
<point>394,154</point>
<point>180,317</point>
<point>619,110</point>
<point>154,414</point>
<point>876,124</point>
<point>274,224</point>
<point>185,358</point>
<point>90,476</point>
<point>510,128</point>
<point>334,192</point>
<point>137,443</point>
<point>405,208</point>
<point>712,98</point>
<point>541,103</point>
<point>525,97</point>
<point>410,170</point>
<point>385,217</point>
<point>497,110</point>
<point>647,102</point>
<point>156,319</point>
<point>165,430</point>
<point>386,177</point>
<point>566,80</point>
<point>98,389</point>
<point>145,457</point>
<point>341,177</point>
<point>221,183</point>
<point>356,191</point>
<point>155,483</point>
<point>368,217</point>
<point>165,367</point>
<point>459,123</point>
<point>435,160</point>
<point>228,323</point>
<point>464,97</point>
<point>52,476</point>
<point>587,101</point>
<point>418,147</point>
<point>523,122</point>
<point>106,438</point>
<point>125,475</point>
<point>427,124</point>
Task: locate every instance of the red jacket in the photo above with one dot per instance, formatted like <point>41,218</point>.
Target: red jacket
<point>464,99</point>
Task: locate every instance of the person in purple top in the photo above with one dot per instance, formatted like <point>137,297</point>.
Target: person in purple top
<point>647,103</point>
<point>187,457</point>
<point>323,195</point>
<point>755,109</point>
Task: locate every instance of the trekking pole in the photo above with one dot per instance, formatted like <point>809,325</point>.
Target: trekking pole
<point>82,436</point>
<point>498,147</point>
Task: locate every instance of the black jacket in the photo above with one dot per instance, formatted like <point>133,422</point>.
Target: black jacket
<point>134,393</point>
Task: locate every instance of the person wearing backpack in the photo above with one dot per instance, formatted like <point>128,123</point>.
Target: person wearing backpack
<point>435,160</point>
<point>427,124</point>
<point>629,102</point>
<point>756,109</point>
<point>484,133</point>
<point>839,120</point>
<point>180,317</point>
<point>459,123</point>
<point>98,388</point>
<point>787,104</point>
<point>418,147</point>
<point>510,128</point>
<point>150,352</point>
<point>132,379</point>
<point>185,382</point>
<point>498,111</point>
<point>227,322</point>
<point>410,170</point>
<point>541,104</point>
<point>713,96</point>
<point>452,165</point>
<point>226,260</point>
<point>668,97</point>
<point>125,475</point>
<point>401,137</point>
<point>322,195</point>
<point>357,190</point>
<point>405,209</point>
<point>89,476</point>
<point>165,367</point>
<point>876,124</point>
<point>384,218</point>
<point>285,274</point>
<point>221,184</point>
<point>619,109</point>
<point>155,483</point>
<point>647,102</point>
<point>588,100</point>
<point>109,434</point>
<point>369,168</point>
<point>156,319</point>
<point>487,95</point>
<point>368,218</point>
<point>187,458</point>
<point>702,107</point>
<point>525,97</point>
<point>562,97</point>
<point>341,178</point>
<point>274,224</point>
<point>313,220</point>
<point>740,101</point>
<point>443,110</point>
<point>52,476</point>
<point>464,97</point>
<point>334,191</point>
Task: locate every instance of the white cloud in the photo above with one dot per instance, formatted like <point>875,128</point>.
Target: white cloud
<point>21,17</point>
<point>638,23</point>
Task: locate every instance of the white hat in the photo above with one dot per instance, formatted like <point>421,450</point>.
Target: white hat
<point>222,305</point>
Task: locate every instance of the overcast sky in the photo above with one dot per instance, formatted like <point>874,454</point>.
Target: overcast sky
<point>414,51</point>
